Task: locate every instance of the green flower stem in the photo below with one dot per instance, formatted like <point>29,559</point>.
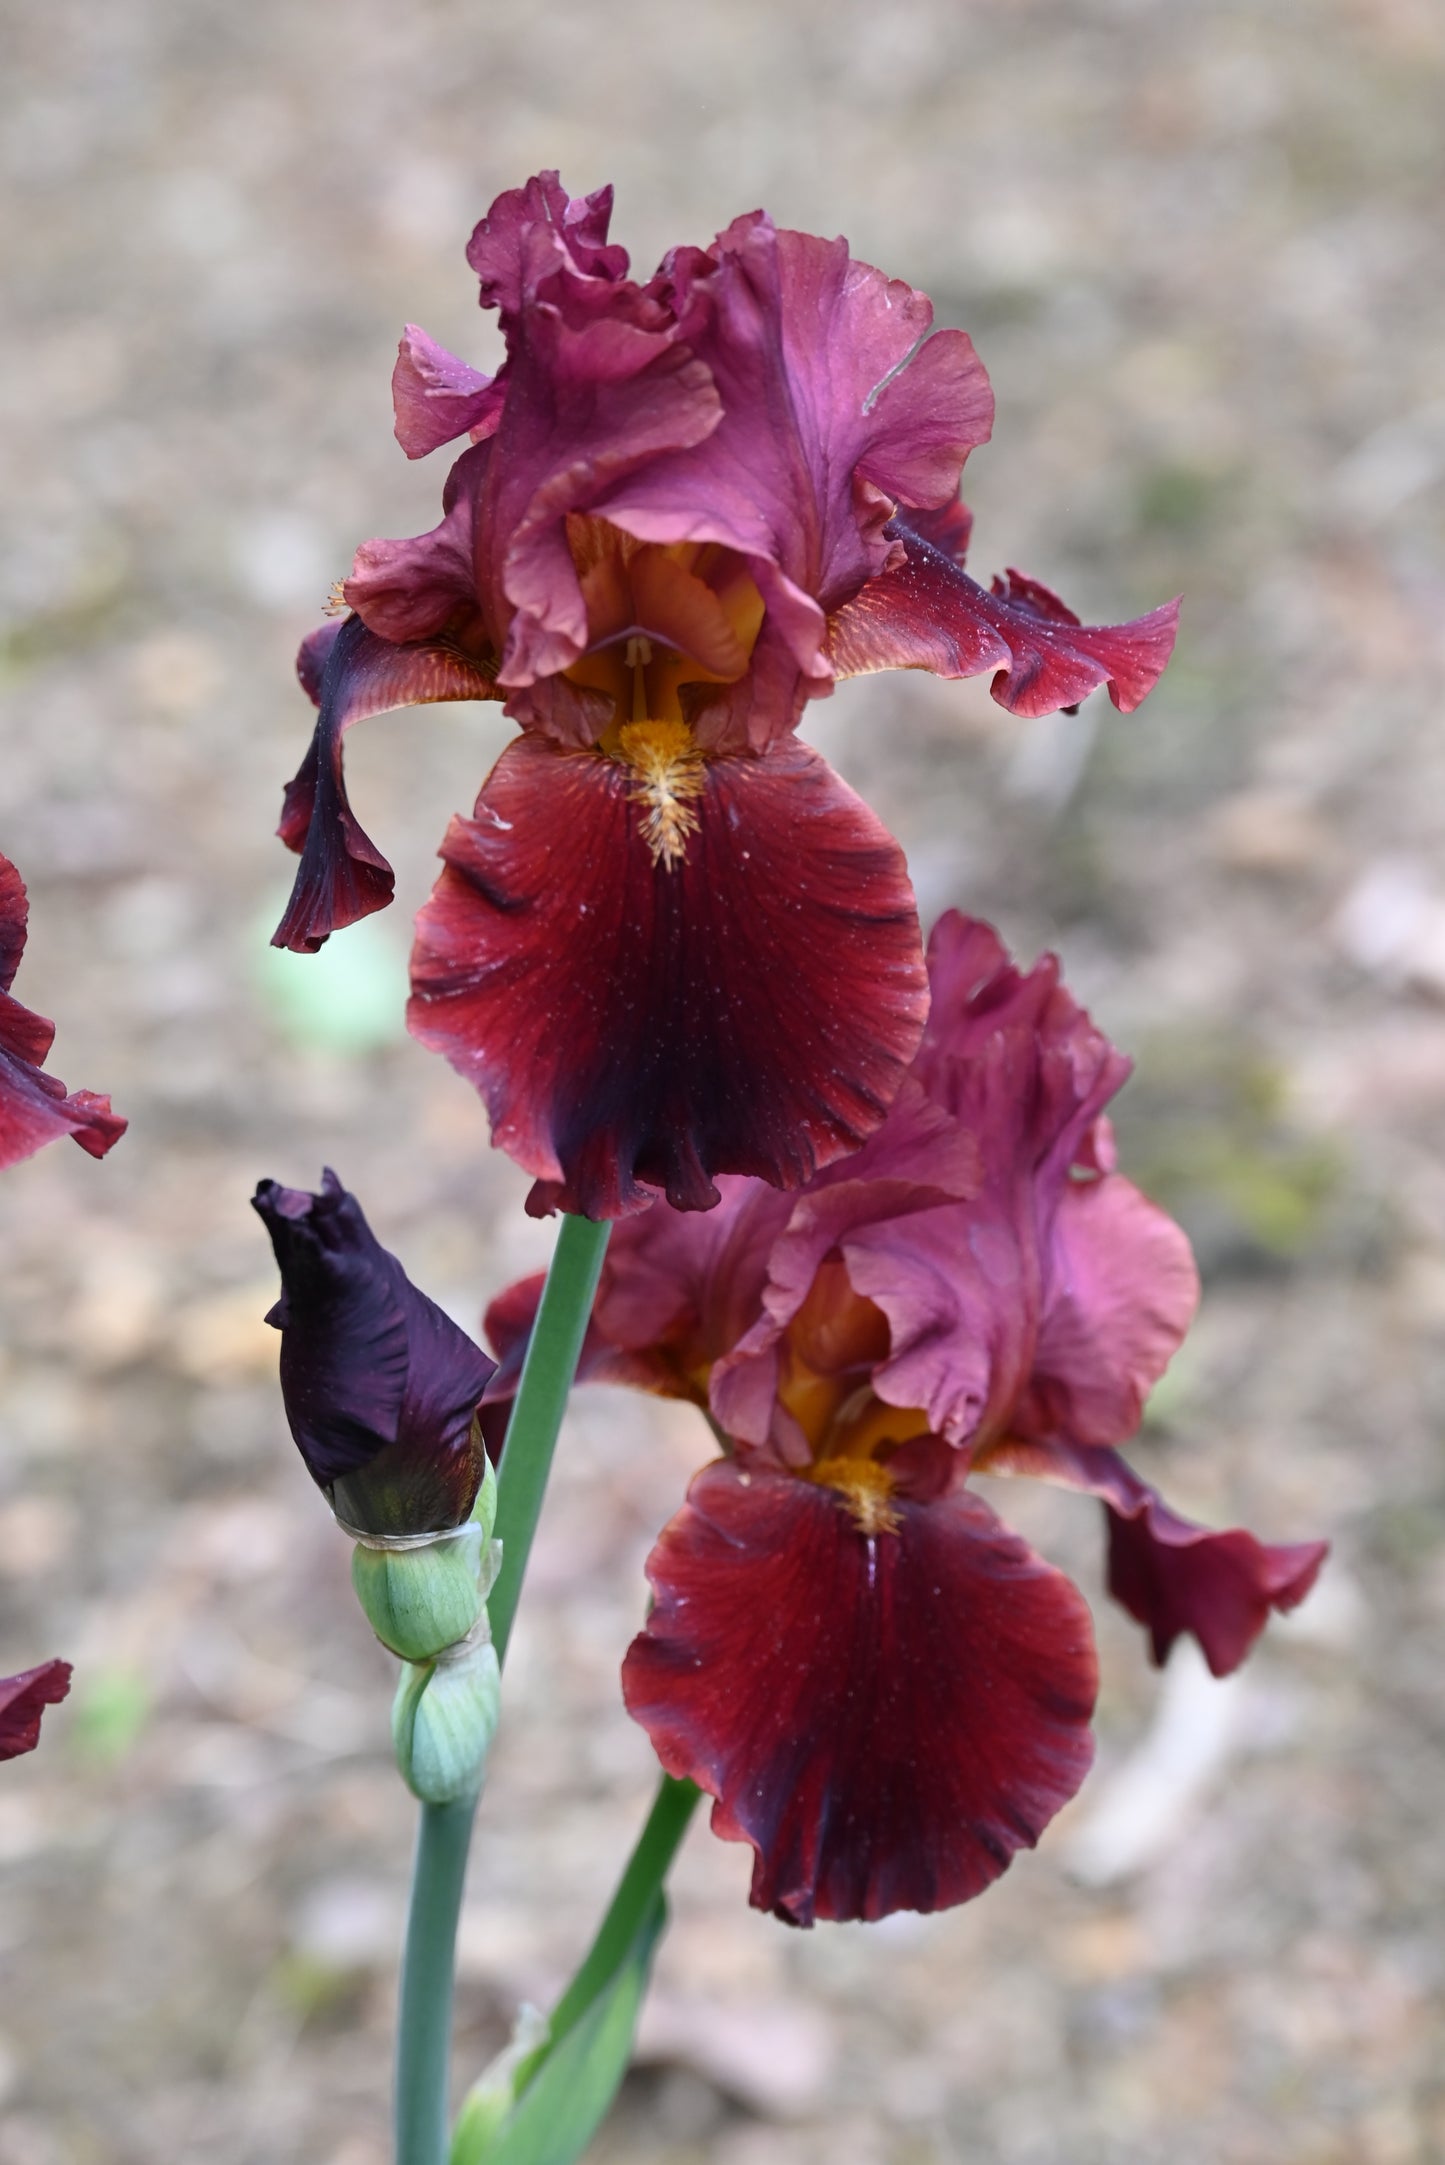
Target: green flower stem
<point>423,2060</point>
<point>541,1401</point>
<point>424,2029</point>
<point>647,1868</point>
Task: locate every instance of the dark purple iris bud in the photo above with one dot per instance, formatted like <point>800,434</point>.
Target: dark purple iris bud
<point>380,1386</point>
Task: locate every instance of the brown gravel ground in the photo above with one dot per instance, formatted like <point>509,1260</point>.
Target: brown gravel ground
<point>1200,250</point>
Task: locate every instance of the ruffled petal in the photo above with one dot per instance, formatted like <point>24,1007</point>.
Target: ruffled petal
<point>885,1718</point>
<point>23,1699</point>
<point>927,613</point>
<point>427,583</point>
<point>1172,1576</point>
<point>1013,1056</point>
<point>635,1026</point>
<point>1012,1063</point>
<point>597,384</point>
<point>438,398</point>
<point>351,673</point>
<point>830,417</point>
<point>1120,1292</point>
<point>535,230</point>
<point>916,1161</point>
<point>34,1107</point>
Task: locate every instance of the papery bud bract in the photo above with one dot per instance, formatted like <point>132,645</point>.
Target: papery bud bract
<point>380,1385</point>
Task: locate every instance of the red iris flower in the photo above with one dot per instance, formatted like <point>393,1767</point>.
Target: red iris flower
<point>886,1691</point>
<point>670,942</point>
<point>34,1108</point>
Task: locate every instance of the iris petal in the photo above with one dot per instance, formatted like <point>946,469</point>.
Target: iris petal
<point>885,1719</point>
<point>1172,1576</point>
<point>927,613</point>
<point>352,674</point>
<point>34,1107</point>
<point>639,1026</point>
<point>23,1699</point>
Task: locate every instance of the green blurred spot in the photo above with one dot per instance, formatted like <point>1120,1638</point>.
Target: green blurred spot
<point>111,1707</point>
<point>1205,1130</point>
<point>1178,499</point>
<point>351,997</point>
<point>314,1990</point>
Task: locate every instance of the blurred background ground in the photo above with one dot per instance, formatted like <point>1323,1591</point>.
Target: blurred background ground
<point>1199,248</point>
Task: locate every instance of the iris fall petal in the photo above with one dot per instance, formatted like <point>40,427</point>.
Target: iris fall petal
<point>636,1026</point>
<point>352,673</point>
<point>886,1719</point>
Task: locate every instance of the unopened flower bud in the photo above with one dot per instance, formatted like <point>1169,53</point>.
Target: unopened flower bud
<point>444,1719</point>
<point>380,1385</point>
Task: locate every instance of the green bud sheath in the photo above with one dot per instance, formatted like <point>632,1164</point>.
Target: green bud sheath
<point>443,1722</point>
<point>420,1601</point>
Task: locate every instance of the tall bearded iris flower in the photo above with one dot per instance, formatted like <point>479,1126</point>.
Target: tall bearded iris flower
<point>670,942</point>
<point>885,1690</point>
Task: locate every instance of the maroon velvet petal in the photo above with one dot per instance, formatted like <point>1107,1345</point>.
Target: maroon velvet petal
<point>634,1026</point>
<point>929,614</point>
<point>34,1107</point>
<point>886,1719</point>
<point>343,875</point>
<point>23,1699</point>
<point>1171,1575</point>
<point>437,397</point>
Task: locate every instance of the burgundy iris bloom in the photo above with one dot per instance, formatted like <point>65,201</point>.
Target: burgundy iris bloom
<point>670,943</point>
<point>34,1107</point>
<point>885,1690</point>
<point>23,1699</point>
<point>380,1386</point>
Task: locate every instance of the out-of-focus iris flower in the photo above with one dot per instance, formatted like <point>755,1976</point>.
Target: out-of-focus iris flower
<point>34,1107</point>
<point>23,1699</point>
<point>380,1386</point>
<point>670,942</point>
<point>887,1692</point>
